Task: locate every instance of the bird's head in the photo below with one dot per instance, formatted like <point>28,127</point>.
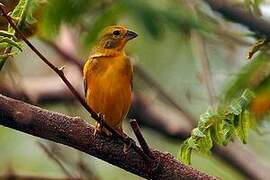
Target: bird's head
<point>115,37</point>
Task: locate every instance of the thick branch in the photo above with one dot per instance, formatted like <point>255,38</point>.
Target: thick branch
<point>238,15</point>
<point>78,134</point>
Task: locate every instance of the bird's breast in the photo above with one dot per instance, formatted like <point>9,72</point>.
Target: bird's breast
<point>110,89</point>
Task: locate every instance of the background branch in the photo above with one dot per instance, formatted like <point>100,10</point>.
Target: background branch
<point>78,134</point>
<point>258,25</point>
<point>55,159</point>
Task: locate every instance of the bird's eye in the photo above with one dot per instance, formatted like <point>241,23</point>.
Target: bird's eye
<point>116,32</point>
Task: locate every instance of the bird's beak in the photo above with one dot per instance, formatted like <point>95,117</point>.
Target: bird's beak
<point>130,35</point>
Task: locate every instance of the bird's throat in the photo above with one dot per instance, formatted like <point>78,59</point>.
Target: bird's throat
<point>102,52</point>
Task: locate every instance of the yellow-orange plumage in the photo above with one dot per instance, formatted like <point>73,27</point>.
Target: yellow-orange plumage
<point>108,77</point>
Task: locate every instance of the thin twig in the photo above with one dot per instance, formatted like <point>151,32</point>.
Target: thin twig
<point>140,137</point>
<point>60,73</point>
<point>55,159</point>
<point>85,170</point>
<point>68,57</point>
<point>201,52</point>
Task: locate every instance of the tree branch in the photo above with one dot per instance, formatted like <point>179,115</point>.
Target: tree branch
<point>140,137</point>
<point>79,134</point>
<point>258,25</point>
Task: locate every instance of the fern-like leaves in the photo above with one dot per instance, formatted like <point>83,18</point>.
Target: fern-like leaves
<point>219,126</point>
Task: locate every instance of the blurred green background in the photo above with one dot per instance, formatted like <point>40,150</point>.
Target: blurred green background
<point>174,38</point>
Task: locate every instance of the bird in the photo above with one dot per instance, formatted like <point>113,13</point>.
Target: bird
<point>108,76</point>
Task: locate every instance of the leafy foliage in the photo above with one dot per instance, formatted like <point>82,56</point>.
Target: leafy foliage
<point>103,13</point>
<point>22,14</point>
<point>220,126</point>
<point>152,19</point>
<point>63,11</point>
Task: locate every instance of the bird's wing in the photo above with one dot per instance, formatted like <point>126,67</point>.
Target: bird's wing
<point>85,86</point>
<point>131,80</point>
<point>87,74</point>
<point>130,71</point>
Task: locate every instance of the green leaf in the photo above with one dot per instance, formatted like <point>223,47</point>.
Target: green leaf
<point>192,143</point>
<point>238,105</point>
<point>235,108</point>
<point>63,11</point>
<point>7,35</point>
<point>205,143</point>
<point>246,98</point>
<point>19,13</point>
<point>218,132</point>
<point>10,42</point>
<point>185,153</point>
<point>197,132</point>
<point>243,126</point>
<point>206,119</point>
<point>23,15</point>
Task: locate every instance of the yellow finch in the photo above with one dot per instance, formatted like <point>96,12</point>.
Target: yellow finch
<point>108,77</point>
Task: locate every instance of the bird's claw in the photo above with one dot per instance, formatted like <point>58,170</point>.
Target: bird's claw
<point>97,129</point>
<point>99,125</point>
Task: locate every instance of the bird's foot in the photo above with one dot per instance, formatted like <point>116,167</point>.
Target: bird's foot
<point>99,128</point>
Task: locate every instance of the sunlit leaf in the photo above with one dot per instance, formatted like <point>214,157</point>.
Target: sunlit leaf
<point>198,133</point>
<point>185,153</point>
<point>205,143</point>
<point>10,42</point>
<point>63,11</point>
<point>220,126</point>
